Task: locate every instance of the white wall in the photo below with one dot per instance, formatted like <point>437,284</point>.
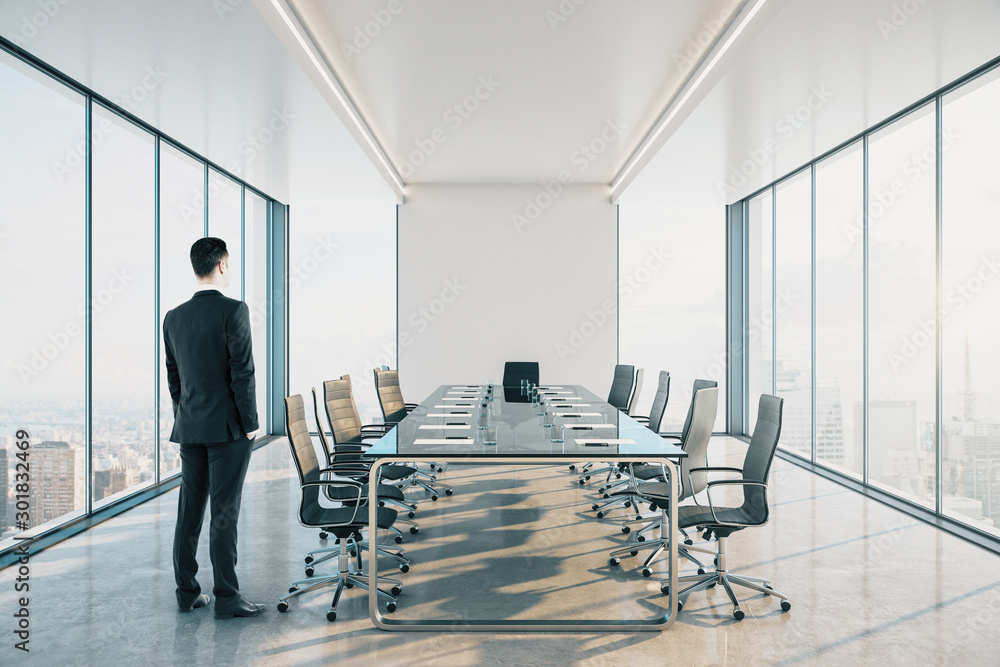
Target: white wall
<point>476,289</point>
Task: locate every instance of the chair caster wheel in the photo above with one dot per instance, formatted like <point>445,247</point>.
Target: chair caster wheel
<point>293,589</point>
<point>646,572</point>
<point>411,514</point>
<point>403,567</point>
<point>309,559</point>
<point>652,507</point>
<point>323,535</point>
<point>634,552</point>
<point>618,475</point>
<point>701,570</point>
<point>282,607</point>
<point>390,607</point>
<point>738,614</point>
<point>665,589</point>
<point>396,590</point>
<point>397,539</point>
<point>381,503</point>
<point>688,541</point>
<point>581,482</point>
<point>572,467</point>
<point>626,530</point>
<point>711,585</point>
<point>439,469</point>
<point>600,515</point>
<point>588,478</point>
<point>605,495</point>
<point>595,507</point>
<point>309,571</point>
<point>640,538</point>
<point>785,605</point>
<point>434,497</point>
<point>614,562</point>
<point>331,615</point>
<point>768,587</point>
<point>351,553</point>
<point>348,585</point>
<point>449,492</point>
<point>628,503</point>
<point>414,530</point>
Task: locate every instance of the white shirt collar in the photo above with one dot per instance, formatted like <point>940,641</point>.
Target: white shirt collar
<point>205,288</point>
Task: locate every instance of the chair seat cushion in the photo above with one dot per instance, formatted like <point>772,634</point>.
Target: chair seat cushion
<point>699,515</point>
<point>336,518</point>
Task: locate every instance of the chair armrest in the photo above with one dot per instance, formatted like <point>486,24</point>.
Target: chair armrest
<point>410,406</point>
<point>347,469</point>
<point>641,419</point>
<point>715,468</point>
<point>669,437</point>
<point>734,482</point>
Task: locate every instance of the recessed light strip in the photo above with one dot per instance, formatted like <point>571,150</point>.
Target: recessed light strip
<point>335,86</point>
<point>689,90</point>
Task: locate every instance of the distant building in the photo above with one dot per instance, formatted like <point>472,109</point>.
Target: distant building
<point>53,481</point>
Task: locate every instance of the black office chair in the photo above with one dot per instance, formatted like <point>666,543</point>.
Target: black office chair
<point>621,386</point>
<point>659,406</point>
<point>516,371</point>
<point>724,521</point>
<point>346,521</point>
<point>705,404</point>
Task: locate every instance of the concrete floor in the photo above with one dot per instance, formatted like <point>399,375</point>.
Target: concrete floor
<point>868,584</point>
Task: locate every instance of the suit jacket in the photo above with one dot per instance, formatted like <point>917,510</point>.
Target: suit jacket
<point>210,369</point>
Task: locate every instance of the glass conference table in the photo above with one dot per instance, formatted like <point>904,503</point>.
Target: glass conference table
<point>444,429</point>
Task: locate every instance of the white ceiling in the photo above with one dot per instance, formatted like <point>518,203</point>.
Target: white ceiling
<point>227,70</point>
<point>514,89</point>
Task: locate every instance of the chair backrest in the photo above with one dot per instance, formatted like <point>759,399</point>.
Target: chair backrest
<point>635,392</point>
<point>621,386</point>
<point>320,427</point>
<point>390,398</point>
<point>341,410</point>
<point>698,386</point>
<point>704,406</point>
<point>301,445</point>
<point>659,402</point>
<point>760,454</point>
<point>515,371</point>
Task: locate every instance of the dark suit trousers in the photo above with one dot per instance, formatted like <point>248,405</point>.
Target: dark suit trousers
<point>216,472</point>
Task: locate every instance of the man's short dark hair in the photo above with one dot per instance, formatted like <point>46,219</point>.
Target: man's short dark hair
<point>206,254</point>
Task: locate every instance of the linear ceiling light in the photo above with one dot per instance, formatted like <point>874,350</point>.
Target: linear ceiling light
<point>335,86</point>
<point>678,104</point>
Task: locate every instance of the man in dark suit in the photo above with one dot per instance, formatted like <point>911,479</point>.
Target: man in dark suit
<point>211,377</point>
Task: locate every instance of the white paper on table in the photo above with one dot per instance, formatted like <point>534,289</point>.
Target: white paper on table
<point>555,392</point>
<point>449,414</point>
<point>452,426</point>
<point>466,392</point>
<point>459,398</point>
<point>456,405</point>
<point>556,404</point>
<point>607,441</point>
<point>578,414</point>
<point>582,427</point>
<point>443,441</point>
<point>560,399</point>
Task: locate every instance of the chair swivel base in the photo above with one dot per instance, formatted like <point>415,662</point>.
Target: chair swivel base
<point>721,576</point>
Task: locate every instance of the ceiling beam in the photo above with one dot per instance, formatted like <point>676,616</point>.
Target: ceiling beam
<point>698,84</point>
<point>286,24</point>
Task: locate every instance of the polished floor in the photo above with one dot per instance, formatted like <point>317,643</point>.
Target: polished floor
<point>869,586</point>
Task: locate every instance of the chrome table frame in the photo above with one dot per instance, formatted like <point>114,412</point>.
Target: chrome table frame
<point>532,625</point>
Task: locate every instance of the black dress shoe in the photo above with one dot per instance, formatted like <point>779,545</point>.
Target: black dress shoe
<point>241,608</point>
<point>199,602</point>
